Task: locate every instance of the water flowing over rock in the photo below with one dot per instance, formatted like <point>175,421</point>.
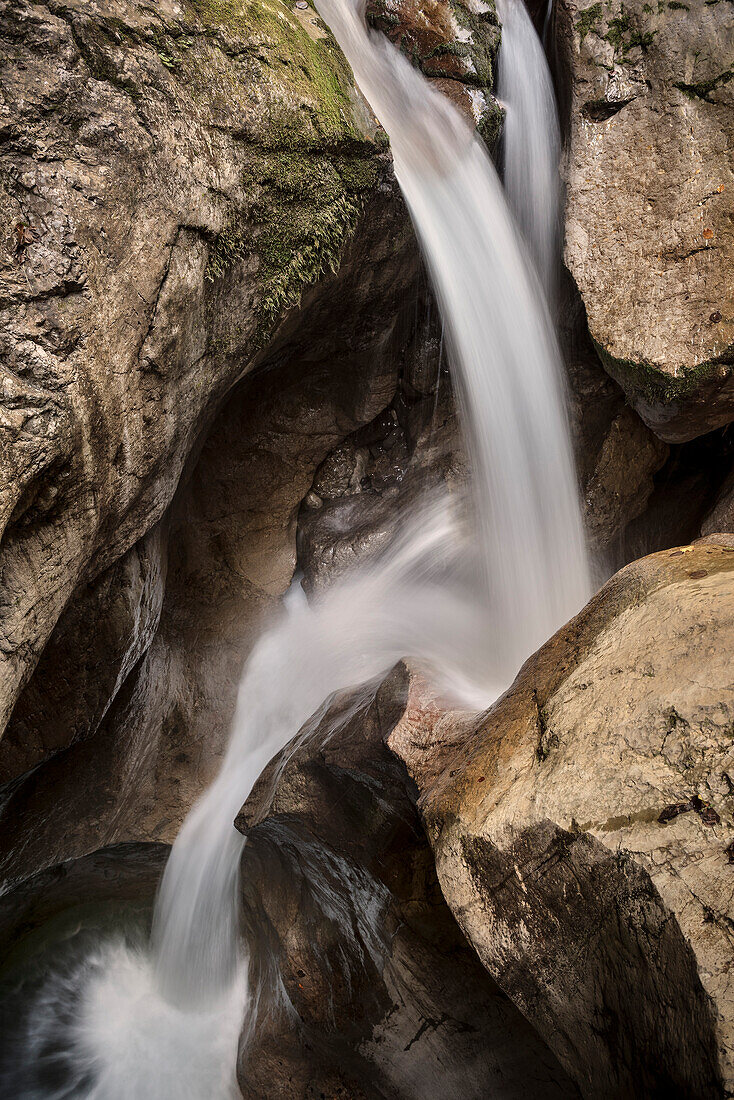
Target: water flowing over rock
<point>244,421</point>
<point>646,92</point>
<point>583,829</point>
<point>377,992</point>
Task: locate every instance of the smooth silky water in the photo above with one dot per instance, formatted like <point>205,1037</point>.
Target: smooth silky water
<point>470,600</point>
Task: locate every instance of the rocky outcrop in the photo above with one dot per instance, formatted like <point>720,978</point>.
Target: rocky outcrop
<point>364,983</point>
<point>171,180</point>
<point>455,43</point>
<point>583,830</point>
<point>228,546</point>
<point>171,183</point>
<point>647,102</point>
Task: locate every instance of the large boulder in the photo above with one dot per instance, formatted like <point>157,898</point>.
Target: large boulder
<point>362,982</point>
<point>583,830</point>
<point>175,181</point>
<point>647,96</point>
<point>172,178</point>
<point>227,544</point>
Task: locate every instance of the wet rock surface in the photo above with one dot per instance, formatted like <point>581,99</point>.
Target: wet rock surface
<point>367,987</point>
<point>646,95</point>
<point>454,43</point>
<point>228,552</point>
<point>377,478</point>
<point>582,829</point>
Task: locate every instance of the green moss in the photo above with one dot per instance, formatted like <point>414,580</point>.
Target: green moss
<point>491,123</point>
<point>622,33</point>
<point>306,81</point>
<point>588,19</point>
<point>658,387</point>
<point>624,36</point>
<point>704,88</point>
<point>674,5</point>
<point>299,211</point>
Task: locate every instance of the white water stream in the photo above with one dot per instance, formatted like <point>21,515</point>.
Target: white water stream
<point>531,141</point>
<point>527,550</point>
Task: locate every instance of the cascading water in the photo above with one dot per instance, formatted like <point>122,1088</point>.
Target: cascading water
<point>502,346</point>
<point>530,138</point>
<point>414,601</point>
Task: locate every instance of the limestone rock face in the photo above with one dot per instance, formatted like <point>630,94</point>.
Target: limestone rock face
<point>226,552</point>
<point>454,42</point>
<point>648,97</point>
<point>172,178</point>
<point>365,985</point>
<point>583,830</point>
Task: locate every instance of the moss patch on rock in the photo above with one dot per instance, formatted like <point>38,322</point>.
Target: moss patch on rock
<point>299,210</point>
<point>621,30</point>
<point>308,166</point>
<point>658,387</point>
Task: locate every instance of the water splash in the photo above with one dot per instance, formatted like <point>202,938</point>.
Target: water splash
<point>410,602</point>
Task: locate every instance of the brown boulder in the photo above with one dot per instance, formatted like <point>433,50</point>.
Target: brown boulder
<point>583,829</point>
<point>364,983</point>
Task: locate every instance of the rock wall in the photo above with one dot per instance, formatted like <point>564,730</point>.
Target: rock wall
<point>170,182</point>
<point>646,92</point>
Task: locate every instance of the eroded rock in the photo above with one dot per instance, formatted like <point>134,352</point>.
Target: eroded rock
<point>365,984</point>
<point>173,178</point>
<point>582,829</point>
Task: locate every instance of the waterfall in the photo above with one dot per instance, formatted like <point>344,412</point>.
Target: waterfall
<point>535,575</point>
<point>502,344</point>
<point>414,601</point>
<point>530,138</point>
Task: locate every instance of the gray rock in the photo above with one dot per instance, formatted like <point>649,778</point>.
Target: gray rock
<point>170,184</point>
<point>364,983</point>
<point>583,828</point>
<point>647,101</point>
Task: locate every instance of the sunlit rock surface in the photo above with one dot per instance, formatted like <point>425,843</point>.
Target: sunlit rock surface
<point>583,829</point>
<point>646,101</point>
<point>364,984</point>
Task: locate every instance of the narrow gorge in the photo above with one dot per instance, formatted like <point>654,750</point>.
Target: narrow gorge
<point>367,560</point>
